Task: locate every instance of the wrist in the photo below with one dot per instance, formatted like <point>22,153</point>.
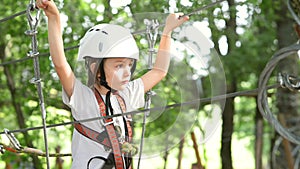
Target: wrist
<point>165,36</point>
<point>167,32</point>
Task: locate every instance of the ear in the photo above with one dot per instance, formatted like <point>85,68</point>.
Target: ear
<point>92,67</point>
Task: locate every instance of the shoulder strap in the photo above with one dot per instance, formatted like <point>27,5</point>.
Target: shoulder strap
<point>109,127</point>
<point>127,119</point>
<point>109,138</point>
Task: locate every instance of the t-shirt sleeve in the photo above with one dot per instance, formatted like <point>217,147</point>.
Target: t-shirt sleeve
<point>82,97</point>
<point>134,94</point>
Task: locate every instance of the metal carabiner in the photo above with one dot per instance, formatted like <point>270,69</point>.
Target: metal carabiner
<point>151,32</point>
<point>13,140</point>
<point>33,21</point>
<point>288,81</point>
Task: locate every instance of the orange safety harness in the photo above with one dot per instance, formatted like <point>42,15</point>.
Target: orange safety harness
<point>109,138</point>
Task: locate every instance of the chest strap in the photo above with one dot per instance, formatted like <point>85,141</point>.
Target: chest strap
<point>109,138</point>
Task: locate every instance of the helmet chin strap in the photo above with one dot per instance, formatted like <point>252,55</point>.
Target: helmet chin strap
<point>103,82</point>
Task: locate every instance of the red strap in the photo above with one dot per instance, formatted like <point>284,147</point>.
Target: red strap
<point>123,107</point>
<point>111,133</point>
<point>109,137</point>
<point>101,138</point>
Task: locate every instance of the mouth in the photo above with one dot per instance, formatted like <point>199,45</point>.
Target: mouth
<point>125,82</point>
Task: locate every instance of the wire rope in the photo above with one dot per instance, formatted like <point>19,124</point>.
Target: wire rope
<point>262,98</point>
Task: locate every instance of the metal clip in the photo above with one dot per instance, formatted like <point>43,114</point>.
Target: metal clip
<point>33,22</point>
<point>151,31</point>
<point>128,118</point>
<point>108,123</point>
<point>35,81</point>
<point>2,150</point>
<point>13,140</point>
<point>288,81</point>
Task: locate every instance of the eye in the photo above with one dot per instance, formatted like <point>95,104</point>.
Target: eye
<point>131,63</point>
<point>119,66</point>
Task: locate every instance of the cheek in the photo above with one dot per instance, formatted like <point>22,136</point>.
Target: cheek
<point>114,76</point>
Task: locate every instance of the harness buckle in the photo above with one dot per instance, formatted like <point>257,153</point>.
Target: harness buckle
<point>128,118</point>
<point>108,123</point>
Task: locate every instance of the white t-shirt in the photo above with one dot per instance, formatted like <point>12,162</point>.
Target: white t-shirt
<point>84,105</point>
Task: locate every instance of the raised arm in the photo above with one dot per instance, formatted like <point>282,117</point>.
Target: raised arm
<point>161,65</point>
<point>56,45</point>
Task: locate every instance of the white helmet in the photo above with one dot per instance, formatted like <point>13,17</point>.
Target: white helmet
<point>108,41</point>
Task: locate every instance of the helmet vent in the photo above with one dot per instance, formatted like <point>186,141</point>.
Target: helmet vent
<point>91,30</point>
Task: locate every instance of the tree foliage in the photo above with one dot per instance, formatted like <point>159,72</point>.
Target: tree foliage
<point>249,46</point>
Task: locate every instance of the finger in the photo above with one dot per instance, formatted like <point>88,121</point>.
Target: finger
<point>42,3</point>
<point>185,17</point>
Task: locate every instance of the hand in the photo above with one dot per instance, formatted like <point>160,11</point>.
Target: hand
<point>48,6</point>
<point>173,21</point>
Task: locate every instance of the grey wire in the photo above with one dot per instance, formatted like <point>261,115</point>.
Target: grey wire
<point>202,8</point>
<point>296,18</point>
<point>294,152</point>
<point>33,24</point>
<point>201,100</point>
<point>39,55</point>
<point>189,14</point>
<point>262,101</point>
<point>13,16</point>
<point>152,31</point>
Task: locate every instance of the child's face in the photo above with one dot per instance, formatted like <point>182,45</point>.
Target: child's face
<point>118,72</point>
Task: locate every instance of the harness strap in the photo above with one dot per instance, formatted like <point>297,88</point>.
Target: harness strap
<point>119,163</point>
<point>101,138</point>
<point>109,137</point>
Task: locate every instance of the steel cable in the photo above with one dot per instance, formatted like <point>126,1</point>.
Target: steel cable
<point>203,100</point>
<point>262,98</point>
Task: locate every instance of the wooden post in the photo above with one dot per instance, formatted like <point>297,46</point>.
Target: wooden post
<point>180,153</point>
<point>8,165</point>
<point>286,145</point>
<point>198,165</point>
<point>259,131</point>
<point>59,160</point>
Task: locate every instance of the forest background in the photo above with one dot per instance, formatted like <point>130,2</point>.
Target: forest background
<point>244,33</point>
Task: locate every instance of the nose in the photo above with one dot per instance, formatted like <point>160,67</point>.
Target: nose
<point>127,71</point>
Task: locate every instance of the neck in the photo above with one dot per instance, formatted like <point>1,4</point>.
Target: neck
<point>102,90</point>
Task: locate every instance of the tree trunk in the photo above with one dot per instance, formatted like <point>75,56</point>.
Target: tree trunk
<point>259,131</point>
<point>227,129</point>
<point>180,153</point>
<point>17,106</point>
<point>227,117</point>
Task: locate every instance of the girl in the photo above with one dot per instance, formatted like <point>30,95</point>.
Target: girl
<point>110,53</point>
